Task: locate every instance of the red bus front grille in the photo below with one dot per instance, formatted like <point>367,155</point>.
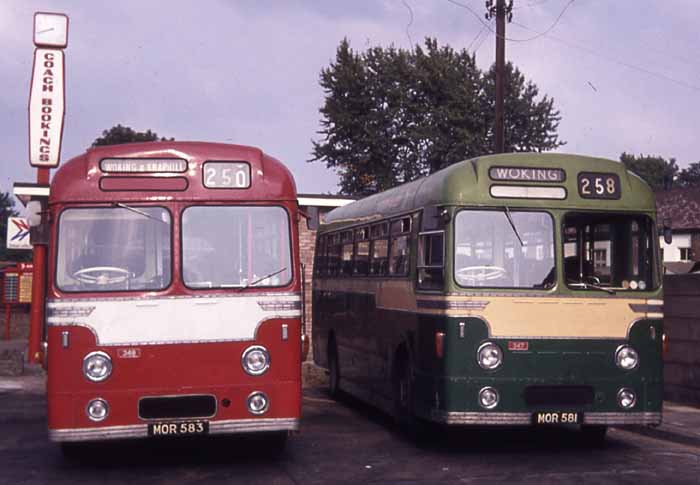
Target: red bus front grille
<point>166,407</point>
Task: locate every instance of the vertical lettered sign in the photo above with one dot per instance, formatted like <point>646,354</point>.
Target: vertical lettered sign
<point>46,108</point>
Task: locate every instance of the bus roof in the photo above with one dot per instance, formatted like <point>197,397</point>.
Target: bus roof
<point>470,183</point>
<point>82,179</point>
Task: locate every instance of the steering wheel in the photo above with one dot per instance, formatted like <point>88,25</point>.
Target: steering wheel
<point>99,275</point>
<point>481,273</point>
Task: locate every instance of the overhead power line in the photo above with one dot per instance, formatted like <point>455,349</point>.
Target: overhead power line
<point>608,58</point>
<point>510,39</point>
<point>410,22</point>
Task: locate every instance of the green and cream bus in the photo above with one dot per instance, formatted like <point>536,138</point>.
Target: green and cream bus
<point>517,289</point>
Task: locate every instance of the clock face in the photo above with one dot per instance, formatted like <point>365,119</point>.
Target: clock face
<point>50,29</point>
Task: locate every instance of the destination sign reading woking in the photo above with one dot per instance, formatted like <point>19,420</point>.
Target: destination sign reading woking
<point>520,174</point>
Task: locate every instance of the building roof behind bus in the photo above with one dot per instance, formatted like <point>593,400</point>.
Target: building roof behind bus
<point>467,183</point>
<point>79,179</point>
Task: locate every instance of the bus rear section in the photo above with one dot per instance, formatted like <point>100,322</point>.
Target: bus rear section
<point>174,300</point>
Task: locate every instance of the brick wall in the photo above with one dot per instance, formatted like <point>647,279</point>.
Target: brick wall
<point>19,322</point>
<point>307,242</point>
<point>682,326</point>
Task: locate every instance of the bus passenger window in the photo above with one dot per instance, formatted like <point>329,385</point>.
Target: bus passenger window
<point>400,246</point>
<point>361,266</point>
<point>380,251</point>
<point>431,252</point>
<point>334,250</point>
<point>379,263</point>
<point>346,260</point>
<point>398,264</point>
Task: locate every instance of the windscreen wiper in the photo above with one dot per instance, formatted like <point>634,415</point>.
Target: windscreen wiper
<point>262,278</point>
<point>137,211</point>
<point>512,224</point>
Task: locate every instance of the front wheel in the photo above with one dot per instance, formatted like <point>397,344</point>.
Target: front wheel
<point>276,442</point>
<point>404,397</point>
<point>594,435</point>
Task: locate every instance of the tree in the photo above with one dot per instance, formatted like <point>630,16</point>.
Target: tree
<point>690,176</point>
<point>7,210</point>
<point>530,125</point>
<point>393,115</point>
<point>119,134</point>
<point>658,172</point>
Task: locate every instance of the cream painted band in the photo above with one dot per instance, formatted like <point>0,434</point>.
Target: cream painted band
<point>141,430</point>
<point>525,419</point>
<point>142,321</point>
<point>553,316</point>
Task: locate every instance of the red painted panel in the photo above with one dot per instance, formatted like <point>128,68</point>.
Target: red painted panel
<point>144,184</point>
<point>198,368</point>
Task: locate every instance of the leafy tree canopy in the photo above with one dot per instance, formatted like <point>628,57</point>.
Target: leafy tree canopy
<point>7,209</point>
<point>119,134</point>
<point>658,172</point>
<point>662,174</point>
<point>690,176</point>
<point>392,115</point>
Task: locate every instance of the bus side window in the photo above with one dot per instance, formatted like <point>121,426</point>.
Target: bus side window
<point>379,250</point>
<point>334,250</point>
<point>346,253</point>
<point>431,260</point>
<point>361,267</point>
<point>400,247</point>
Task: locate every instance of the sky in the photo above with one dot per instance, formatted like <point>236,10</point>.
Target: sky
<point>623,74</point>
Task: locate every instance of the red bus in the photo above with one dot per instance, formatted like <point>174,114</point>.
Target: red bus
<point>173,299</point>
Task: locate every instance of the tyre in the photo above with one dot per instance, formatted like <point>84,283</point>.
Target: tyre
<point>411,426</point>
<point>73,452</point>
<point>277,442</point>
<point>594,435</point>
<point>333,370</point>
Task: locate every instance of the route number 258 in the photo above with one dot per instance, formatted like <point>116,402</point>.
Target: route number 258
<point>599,185</point>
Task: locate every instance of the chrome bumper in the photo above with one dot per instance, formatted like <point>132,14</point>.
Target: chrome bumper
<point>231,426</point>
<point>525,419</point>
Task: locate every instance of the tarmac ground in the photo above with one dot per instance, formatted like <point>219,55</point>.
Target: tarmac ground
<point>348,442</point>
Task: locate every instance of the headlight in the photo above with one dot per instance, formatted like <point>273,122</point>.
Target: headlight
<point>258,403</point>
<point>626,357</point>
<point>97,409</point>
<point>488,398</point>
<point>255,360</point>
<point>97,366</point>
<point>489,356</point>
<point>626,398</point>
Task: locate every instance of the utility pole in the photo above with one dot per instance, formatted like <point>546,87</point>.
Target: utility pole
<point>501,10</point>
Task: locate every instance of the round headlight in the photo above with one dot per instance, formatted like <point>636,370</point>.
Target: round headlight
<point>97,409</point>
<point>489,356</point>
<point>258,402</point>
<point>97,366</point>
<point>255,360</point>
<point>488,398</point>
<point>626,357</point>
<point>626,398</point>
